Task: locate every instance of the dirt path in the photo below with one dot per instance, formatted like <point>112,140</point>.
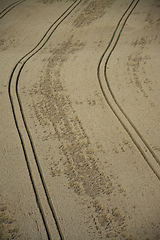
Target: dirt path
<point>80,119</point>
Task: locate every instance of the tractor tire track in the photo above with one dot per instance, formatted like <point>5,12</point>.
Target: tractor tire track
<point>142,145</point>
<point>9,8</point>
<point>31,158</point>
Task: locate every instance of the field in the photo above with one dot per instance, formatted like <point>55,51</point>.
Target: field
<point>80,119</point>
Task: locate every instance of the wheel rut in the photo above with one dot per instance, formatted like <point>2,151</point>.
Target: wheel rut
<point>35,172</point>
<point>9,8</point>
<point>142,145</point>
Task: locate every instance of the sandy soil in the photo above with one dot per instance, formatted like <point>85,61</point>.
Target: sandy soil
<point>80,147</point>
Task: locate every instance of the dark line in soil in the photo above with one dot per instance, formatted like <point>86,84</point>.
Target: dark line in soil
<point>72,7</point>
<point>114,98</point>
<point>13,5</point>
<point>106,98</point>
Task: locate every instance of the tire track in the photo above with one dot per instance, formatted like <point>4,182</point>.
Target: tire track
<point>9,8</point>
<point>31,158</point>
<point>142,145</point>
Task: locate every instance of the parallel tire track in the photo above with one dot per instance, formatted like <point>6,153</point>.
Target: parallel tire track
<point>9,8</point>
<point>21,123</point>
<point>142,145</point>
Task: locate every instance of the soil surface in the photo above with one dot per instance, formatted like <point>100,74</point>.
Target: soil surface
<point>80,119</point>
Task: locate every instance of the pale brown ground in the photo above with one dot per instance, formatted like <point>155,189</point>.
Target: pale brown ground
<point>100,184</point>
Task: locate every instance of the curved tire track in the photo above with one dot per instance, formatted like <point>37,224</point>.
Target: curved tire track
<point>142,145</point>
<point>9,8</point>
<point>31,158</point>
